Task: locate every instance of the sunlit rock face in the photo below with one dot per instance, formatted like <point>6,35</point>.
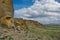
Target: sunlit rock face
<point>7,21</point>
<point>6,13</point>
<point>24,24</point>
<point>6,8</point>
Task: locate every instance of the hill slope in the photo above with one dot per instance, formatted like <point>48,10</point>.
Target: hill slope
<point>29,30</point>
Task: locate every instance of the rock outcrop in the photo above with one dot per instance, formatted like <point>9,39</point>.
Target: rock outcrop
<point>6,8</point>
<point>25,23</point>
<point>6,13</point>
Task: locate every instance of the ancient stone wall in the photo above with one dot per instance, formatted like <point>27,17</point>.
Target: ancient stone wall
<point>6,8</point>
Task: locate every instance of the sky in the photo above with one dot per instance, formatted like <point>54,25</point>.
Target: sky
<point>43,11</point>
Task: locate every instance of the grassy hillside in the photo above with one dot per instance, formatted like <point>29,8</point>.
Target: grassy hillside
<point>46,33</point>
<point>30,30</point>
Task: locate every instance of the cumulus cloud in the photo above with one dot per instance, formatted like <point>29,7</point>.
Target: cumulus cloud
<point>44,11</point>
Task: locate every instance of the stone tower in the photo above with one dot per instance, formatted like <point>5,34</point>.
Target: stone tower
<point>6,8</point>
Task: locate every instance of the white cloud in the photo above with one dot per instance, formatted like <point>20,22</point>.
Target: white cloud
<point>44,11</point>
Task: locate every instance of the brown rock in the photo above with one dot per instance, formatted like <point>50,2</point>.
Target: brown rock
<point>7,21</point>
<point>6,8</point>
<point>24,24</point>
<point>6,13</point>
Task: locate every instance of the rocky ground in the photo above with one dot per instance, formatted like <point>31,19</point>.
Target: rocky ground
<point>10,34</point>
<point>28,30</point>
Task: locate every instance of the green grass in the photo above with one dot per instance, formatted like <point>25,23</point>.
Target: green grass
<point>51,31</point>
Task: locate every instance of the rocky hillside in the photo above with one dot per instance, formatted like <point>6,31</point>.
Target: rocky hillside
<point>20,31</point>
<point>25,23</point>
<point>28,30</point>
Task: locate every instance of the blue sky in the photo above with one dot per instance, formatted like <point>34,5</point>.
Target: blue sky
<point>22,3</point>
<point>43,11</point>
<point>58,1</point>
